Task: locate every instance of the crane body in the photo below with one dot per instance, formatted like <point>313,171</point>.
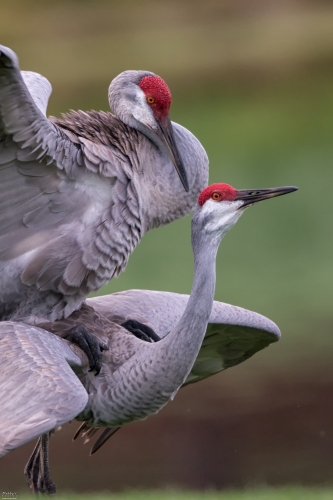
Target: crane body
<point>77,194</point>
<point>137,378</point>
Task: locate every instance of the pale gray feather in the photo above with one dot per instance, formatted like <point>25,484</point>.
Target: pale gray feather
<point>39,87</point>
<point>38,388</point>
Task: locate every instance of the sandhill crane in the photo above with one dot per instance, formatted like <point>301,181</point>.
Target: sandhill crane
<point>77,194</point>
<point>39,390</point>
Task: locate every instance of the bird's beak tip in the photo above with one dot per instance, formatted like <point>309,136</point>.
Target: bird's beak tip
<point>250,197</point>
<point>186,186</point>
<point>182,174</point>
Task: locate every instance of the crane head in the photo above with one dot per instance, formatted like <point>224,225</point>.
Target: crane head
<point>221,205</point>
<point>142,100</point>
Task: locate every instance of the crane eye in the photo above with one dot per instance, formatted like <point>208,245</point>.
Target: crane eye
<point>150,100</point>
<point>216,196</point>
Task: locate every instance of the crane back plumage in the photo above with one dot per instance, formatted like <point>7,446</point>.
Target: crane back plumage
<point>76,196</point>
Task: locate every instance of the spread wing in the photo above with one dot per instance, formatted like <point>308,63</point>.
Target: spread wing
<point>233,334</point>
<point>38,388</point>
<point>61,196</point>
<point>23,120</point>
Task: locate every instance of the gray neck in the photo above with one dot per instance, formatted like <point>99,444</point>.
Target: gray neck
<point>151,377</point>
<point>182,344</point>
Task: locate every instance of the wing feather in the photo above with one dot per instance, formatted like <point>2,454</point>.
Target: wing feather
<point>39,87</point>
<point>66,191</point>
<point>233,334</point>
<point>38,388</point>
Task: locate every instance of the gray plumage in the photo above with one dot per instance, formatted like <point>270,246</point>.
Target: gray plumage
<point>40,390</point>
<point>77,194</point>
<point>139,378</point>
<point>39,88</point>
<point>233,334</point>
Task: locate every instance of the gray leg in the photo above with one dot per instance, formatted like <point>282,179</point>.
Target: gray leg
<point>31,470</point>
<point>37,471</point>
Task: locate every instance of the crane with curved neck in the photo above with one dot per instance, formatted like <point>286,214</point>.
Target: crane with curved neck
<point>137,378</point>
<point>156,371</point>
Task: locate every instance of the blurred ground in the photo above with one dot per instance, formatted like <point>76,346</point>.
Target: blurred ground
<point>253,81</point>
<point>256,494</point>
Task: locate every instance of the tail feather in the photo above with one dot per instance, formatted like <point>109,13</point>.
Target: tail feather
<point>80,430</point>
<point>89,434</point>
<point>103,438</point>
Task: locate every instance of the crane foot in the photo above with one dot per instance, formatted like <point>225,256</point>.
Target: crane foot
<point>89,344</point>
<point>141,331</point>
<point>37,472</point>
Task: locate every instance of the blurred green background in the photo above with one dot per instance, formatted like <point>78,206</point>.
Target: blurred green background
<point>253,80</point>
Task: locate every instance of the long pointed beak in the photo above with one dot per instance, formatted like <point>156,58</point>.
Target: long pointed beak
<point>251,196</point>
<point>166,134</point>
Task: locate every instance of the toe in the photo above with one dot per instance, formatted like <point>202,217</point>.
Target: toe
<point>89,344</point>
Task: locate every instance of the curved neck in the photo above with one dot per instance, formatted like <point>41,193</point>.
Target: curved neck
<point>181,346</point>
<point>151,377</point>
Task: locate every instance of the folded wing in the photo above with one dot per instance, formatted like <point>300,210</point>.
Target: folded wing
<point>38,388</point>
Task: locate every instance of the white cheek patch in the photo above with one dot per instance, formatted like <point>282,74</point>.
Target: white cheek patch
<point>222,215</point>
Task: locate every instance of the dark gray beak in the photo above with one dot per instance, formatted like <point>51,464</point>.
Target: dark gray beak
<point>166,135</point>
<point>251,196</point>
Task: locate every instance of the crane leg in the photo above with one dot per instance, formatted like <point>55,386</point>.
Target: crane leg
<point>140,330</point>
<point>37,471</point>
<point>89,344</point>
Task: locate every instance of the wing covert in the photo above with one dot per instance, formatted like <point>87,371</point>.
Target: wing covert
<point>38,388</point>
